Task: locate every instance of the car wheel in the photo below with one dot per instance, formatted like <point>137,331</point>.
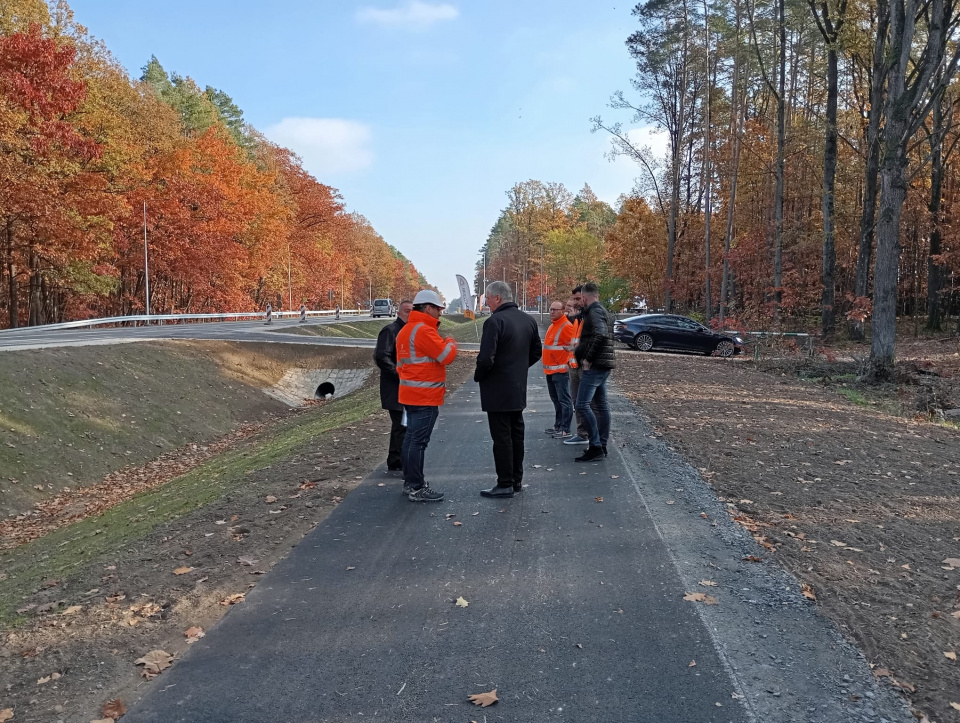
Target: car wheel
<point>643,342</point>
<point>725,349</point>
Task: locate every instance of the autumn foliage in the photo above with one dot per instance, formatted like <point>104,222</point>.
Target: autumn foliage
<point>232,220</point>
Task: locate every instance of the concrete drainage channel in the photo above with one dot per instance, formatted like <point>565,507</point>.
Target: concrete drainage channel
<point>299,386</point>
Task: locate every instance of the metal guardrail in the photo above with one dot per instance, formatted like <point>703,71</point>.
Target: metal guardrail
<point>137,319</point>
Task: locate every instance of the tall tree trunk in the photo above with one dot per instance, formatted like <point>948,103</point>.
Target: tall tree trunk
<point>13,288</point>
<point>676,158</point>
<point>737,135</point>
<point>781,143</point>
<point>34,318</point>
<point>935,271</point>
<point>868,215</point>
<point>707,211</point>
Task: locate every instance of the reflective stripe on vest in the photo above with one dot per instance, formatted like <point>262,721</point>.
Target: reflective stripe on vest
<point>559,366</point>
<point>446,352</point>
<point>413,349</point>
<point>423,385</point>
<point>555,346</point>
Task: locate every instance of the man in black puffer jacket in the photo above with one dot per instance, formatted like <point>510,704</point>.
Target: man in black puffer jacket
<point>595,356</point>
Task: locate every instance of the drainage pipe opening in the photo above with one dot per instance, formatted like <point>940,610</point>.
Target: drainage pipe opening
<point>325,390</point>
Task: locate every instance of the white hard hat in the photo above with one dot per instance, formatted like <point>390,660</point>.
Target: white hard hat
<point>429,297</point>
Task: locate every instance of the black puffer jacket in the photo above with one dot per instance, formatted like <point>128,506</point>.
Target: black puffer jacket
<point>596,338</point>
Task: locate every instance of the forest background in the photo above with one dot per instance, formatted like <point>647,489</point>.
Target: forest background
<point>91,160</point>
<point>810,181</point>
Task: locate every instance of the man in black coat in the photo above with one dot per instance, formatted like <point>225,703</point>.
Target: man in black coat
<point>385,356</point>
<point>595,356</point>
<point>509,347</point>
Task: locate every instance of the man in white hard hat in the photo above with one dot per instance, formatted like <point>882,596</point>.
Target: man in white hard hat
<point>422,360</point>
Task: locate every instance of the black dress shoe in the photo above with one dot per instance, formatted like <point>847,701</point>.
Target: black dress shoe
<point>591,454</point>
<point>497,491</point>
<point>604,448</point>
<point>517,489</point>
<point>394,469</point>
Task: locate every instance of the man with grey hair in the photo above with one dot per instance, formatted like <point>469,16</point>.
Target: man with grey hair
<point>509,347</point>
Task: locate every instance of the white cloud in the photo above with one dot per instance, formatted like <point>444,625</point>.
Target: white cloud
<point>412,14</point>
<point>326,145</point>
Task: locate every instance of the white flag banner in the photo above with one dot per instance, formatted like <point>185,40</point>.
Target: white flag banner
<point>466,298</point>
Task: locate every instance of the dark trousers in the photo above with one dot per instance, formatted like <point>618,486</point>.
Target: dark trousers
<point>506,428</point>
<point>397,433</point>
<point>559,387</point>
<point>592,404</point>
<point>420,421</point>
<point>575,375</point>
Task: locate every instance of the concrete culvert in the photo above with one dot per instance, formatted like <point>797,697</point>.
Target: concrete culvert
<point>325,390</point>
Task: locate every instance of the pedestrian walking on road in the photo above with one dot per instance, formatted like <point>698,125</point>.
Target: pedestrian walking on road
<point>556,358</point>
<point>269,314</point>
<point>576,302</point>
<point>595,356</point>
<point>509,347</point>
<point>385,356</point>
<point>303,313</point>
<point>422,360</point>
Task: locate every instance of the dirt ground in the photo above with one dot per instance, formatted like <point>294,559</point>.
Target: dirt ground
<point>854,490</point>
<point>74,641</point>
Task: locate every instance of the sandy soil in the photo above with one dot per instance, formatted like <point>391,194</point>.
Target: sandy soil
<point>853,490</point>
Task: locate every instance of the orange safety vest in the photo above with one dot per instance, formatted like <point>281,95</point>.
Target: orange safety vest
<point>575,340</point>
<point>422,357</point>
<point>555,357</point>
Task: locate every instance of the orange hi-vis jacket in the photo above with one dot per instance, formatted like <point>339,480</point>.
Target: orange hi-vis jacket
<point>575,340</point>
<point>559,335</point>
<point>422,357</point>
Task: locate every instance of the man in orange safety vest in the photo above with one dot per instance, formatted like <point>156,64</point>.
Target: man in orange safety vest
<point>556,366</point>
<point>422,358</point>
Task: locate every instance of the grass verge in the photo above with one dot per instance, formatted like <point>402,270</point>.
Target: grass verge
<point>58,554</point>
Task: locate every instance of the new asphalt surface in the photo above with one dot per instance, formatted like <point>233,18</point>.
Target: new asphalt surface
<point>576,611</point>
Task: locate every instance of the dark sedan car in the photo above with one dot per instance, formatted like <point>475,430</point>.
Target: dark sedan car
<point>669,331</point>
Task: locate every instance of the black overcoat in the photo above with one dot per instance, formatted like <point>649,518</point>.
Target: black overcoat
<point>510,345</point>
<point>385,355</point>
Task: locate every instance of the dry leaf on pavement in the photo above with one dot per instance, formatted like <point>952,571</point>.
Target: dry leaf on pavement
<point>693,664</point>
<point>154,662</point>
<point>952,563</point>
<point>708,583</point>
<point>695,597</point>
<point>955,706</point>
<point>837,543</point>
<point>233,599</point>
<point>102,720</point>
<point>73,610</point>
<point>484,699</point>
<point>248,560</point>
<point>950,655</point>
<point>193,634</point>
<point>599,499</point>
<point>458,524</point>
<point>6,714</point>
<point>113,709</point>
<point>270,499</point>
<point>461,602</point>
<point>807,592</point>
<point>182,570</point>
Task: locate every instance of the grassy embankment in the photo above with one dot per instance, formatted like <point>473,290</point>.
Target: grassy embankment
<point>62,552</point>
<point>460,328</point>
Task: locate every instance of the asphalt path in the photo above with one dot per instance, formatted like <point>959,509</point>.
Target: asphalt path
<point>40,338</point>
<point>576,611</point>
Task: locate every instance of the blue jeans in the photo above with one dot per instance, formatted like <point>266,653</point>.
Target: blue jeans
<point>420,421</point>
<point>593,388</point>
<point>559,387</point>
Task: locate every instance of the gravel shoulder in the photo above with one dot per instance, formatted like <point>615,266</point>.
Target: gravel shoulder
<point>860,505</point>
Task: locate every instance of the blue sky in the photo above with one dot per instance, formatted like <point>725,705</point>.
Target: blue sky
<point>422,113</point>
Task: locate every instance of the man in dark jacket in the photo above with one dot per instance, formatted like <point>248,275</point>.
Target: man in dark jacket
<point>385,356</point>
<point>510,346</point>
<point>594,354</point>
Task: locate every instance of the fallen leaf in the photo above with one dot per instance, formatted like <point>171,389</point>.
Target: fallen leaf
<point>955,706</point>
<point>73,610</point>
<point>955,614</point>
<point>269,499</point>
<point>247,560</point>
<point>906,567</point>
<point>182,570</point>
<point>475,514</point>
<point>599,499</point>
<point>154,663</point>
<point>580,646</point>
<point>461,602</point>
<point>705,516</point>
<point>102,720</point>
<point>193,634</point>
<point>458,524</point>
<point>807,591</point>
<point>6,714</point>
<point>233,599</point>
<point>45,679</point>
<point>484,699</point>
<point>837,543</point>
<point>351,568</point>
<point>614,476</point>
<point>952,562</point>
<point>752,558</point>
<point>693,664</point>
<point>113,709</point>
<point>669,502</point>
<point>708,583</point>
<point>950,655</point>
<point>382,484</point>
<point>450,515</point>
<point>695,597</point>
